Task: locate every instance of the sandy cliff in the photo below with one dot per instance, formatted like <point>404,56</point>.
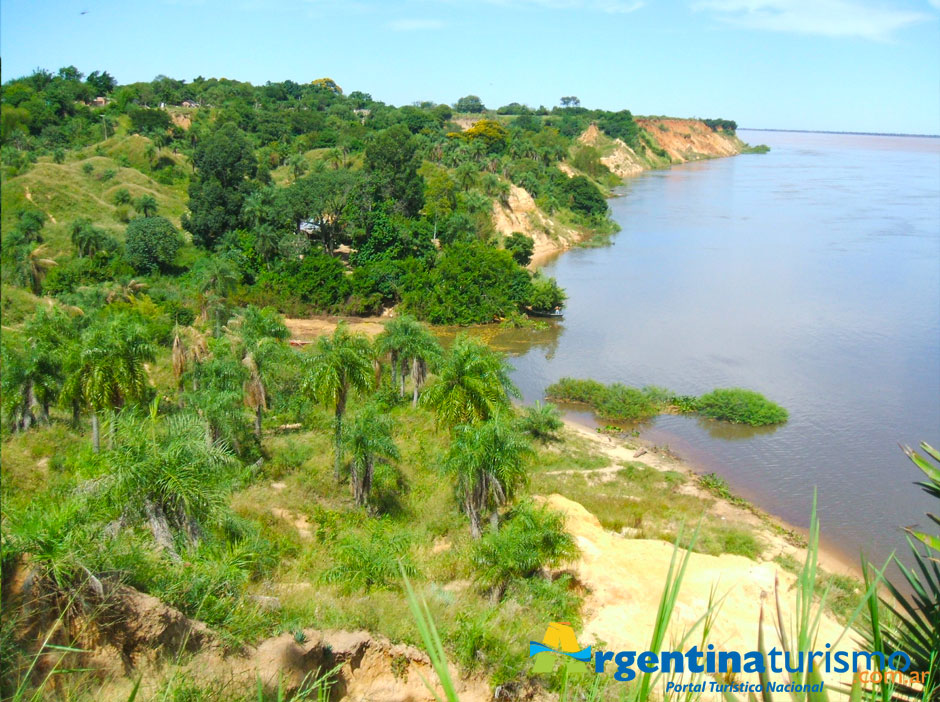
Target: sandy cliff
<point>677,140</point>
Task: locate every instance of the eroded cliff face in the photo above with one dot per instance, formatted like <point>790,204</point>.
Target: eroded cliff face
<point>519,213</point>
<point>690,139</point>
<point>667,142</point>
<point>617,156</point>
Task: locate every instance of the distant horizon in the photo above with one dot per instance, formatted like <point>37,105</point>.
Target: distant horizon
<point>830,65</point>
<point>836,131</point>
<point>492,108</point>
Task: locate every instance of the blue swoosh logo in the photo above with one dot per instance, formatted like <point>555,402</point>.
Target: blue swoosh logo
<point>583,655</point>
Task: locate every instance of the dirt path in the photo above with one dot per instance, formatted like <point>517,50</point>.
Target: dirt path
<point>307,329</point>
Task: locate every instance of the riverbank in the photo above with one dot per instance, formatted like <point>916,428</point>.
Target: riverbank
<point>665,142</point>
<point>784,542</point>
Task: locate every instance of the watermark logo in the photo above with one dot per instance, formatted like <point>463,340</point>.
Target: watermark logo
<point>802,668</point>
<point>559,640</point>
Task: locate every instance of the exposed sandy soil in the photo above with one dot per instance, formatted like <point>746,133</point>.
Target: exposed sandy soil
<point>622,161</point>
<point>683,140</point>
<point>521,214</point>
<point>181,120</point>
<point>775,539</point>
<point>307,329</point>
<point>624,579</point>
<point>690,139</point>
<point>466,122</point>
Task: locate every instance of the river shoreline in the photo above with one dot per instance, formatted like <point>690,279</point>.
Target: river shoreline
<point>781,537</point>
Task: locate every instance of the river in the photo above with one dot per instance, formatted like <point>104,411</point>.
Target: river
<point>810,274</point>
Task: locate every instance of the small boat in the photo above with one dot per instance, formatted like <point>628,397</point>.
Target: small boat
<point>555,314</point>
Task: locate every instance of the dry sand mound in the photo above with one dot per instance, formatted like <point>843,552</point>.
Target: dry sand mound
<point>625,579</point>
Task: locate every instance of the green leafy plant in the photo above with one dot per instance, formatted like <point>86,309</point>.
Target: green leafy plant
<point>741,406</point>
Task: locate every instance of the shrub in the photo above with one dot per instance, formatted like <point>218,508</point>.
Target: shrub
<point>741,406</point>
<point>545,295</point>
<point>121,196</point>
<point>616,401</point>
<point>620,125</point>
<point>151,244</point>
<point>473,283</point>
<point>531,538</point>
<point>584,197</point>
<point>147,121</point>
<point>541,422</point>
<point>521,247</point>
<point>318,280</point>
<point>363,563</point>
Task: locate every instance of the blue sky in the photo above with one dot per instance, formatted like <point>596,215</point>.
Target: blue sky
<point>859,65</point>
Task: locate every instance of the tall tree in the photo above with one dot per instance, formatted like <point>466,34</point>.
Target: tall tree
<point>257,333</point>
<point>340,363</point>
<point>89,239</point>
<point>146,205</point>
<point>412,349</point>
<point>472,385</point>
<point>368,440</point>
<point>224,162</point>
<point>392,163</point>
<point>488,461</point>
<point>32,369</point>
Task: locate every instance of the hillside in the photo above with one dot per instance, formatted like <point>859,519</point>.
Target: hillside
<point>85,184</point>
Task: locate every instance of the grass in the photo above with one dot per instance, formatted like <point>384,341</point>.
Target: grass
<point>740,406</point>
<point>618,402</point>
<point>643,502</point>
<point>65,191</point>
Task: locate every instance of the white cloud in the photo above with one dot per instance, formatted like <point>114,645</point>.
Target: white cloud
<point>414,25</point>
<point>834,18</point>
<point>609,6</point>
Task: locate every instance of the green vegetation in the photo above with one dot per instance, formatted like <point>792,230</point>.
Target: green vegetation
<point>278,180</point>
<point>740,407</point>
<point>909,619</point>
<point>623,403</point>
<point>614,401</point>
<point>799,631</point>
<point>159,431</point>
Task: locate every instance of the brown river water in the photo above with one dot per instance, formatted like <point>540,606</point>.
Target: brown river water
<point>810,274</point>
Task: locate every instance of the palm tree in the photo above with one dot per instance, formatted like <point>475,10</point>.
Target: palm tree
<point>255,394</point>
<point>412,349</point>
<point>472,385</point>
<point>32,371</point>
<point>220,395</point>
<point>488,460</point>
<point>88,239</point>
<point>913,624</point>
<point>369,439</point>
<point>340,363</point>
<point>257,334</point>
<point>146,205</point>
<point>216,277</point>
<point>298,165</point>
<point>166,474</point>
<point>109,368</point>
<point>32,267</point>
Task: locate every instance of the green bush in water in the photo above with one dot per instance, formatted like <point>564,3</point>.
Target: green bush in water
<point>741,406</point>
